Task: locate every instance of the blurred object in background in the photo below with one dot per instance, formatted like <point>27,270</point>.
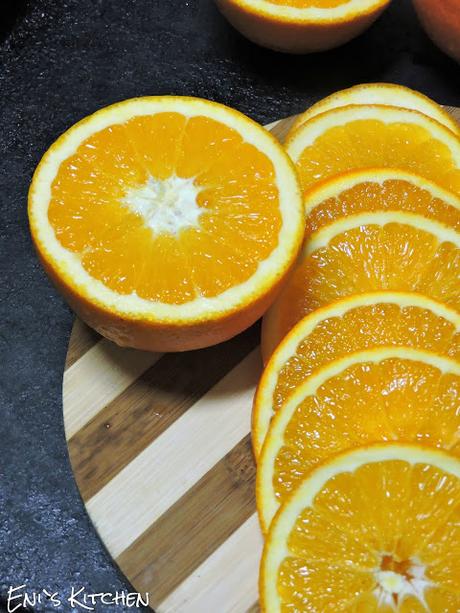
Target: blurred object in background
<point>301,26</point>
<point>441,20</point>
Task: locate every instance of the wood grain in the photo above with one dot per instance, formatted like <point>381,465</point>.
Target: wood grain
<point>160,449</point>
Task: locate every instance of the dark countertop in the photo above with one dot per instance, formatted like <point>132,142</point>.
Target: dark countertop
<point>59,61</point>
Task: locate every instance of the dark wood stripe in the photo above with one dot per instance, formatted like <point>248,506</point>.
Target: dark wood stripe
<point>133,420</point>
<point>82,339</point>
<point>254,609</point>
<point>194,527</point>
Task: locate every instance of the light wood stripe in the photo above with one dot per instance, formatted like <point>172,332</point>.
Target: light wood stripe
<point>107,370</point>
<point>82,339</point>
<point>162,473</point>
<point>225,583</point>
<point>195,526</point>
<point>135,418</point>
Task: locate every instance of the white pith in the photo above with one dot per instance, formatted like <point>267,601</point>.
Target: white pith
<point>166,206</point>
<point>288,347</point>
<point>381,93</point>
<point>275,437</point>
<point>306,134</point>
<point>393,587</point>
<point>276,543</point>
<point>69,265</point>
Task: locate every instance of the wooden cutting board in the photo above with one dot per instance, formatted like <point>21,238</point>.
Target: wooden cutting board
<point>161,452</point>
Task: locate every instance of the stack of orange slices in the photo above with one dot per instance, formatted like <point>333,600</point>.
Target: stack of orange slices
<point>356,420</point>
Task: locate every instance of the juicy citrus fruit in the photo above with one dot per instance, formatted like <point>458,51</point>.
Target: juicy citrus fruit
<point>368,136</point>
<point>301,26</point>
<point>384,394</point>
<point>375,529</point>
<point>353,324</point>
<point>168,223</point>
<point>380,93</point>
<point>379,189</point>
<point>391,250</point>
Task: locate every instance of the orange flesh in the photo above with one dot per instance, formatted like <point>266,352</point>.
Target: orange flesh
<point>387,509</point>
<point>303,4</point>
<point>392,400</point>
<point>361,328</point>
<point>239,217</point>
<point>390,195</point>
<point>395,257</point>
<point>369,143</point>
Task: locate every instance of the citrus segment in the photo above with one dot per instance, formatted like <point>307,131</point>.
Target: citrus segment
<point>388,94</point>
<point>368,136</point>
<point>353,324</point>
<point>368,252</point>
<point>166,212</point>
<point>384,394</point>
<point>379,189</point>
<point>360,532</point>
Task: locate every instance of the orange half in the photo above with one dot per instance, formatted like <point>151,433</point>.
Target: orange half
<point>168,223</point>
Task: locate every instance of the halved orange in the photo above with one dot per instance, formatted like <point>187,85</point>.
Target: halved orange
<point>368,136</point>
<point>301,26</point>
<point>168,223</point>
<point>374,529</point>
<point>368,252</point>
<point>383,394</point>
<point>388,94</point>
<point>379,189</point>
<point>356,323</point>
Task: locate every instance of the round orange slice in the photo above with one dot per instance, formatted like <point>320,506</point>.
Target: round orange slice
<point>388,94</point>
<point>390,250</point>
<point>374,529</point>
<point>168,223</point>
<point>379,189</point>
<point>383,394</point>
<point>367,136</point>
<point>356,323</point>
<point>301,26</point>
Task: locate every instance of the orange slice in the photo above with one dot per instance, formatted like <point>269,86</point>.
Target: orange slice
<point>168,223</point>
<point>380,93</point>
<point>301,26</point>
<point>383,394</point>
<point>391,250</point>
<point>356,323</point>
<point>367,136</point>
<point>375,529</point>
<point>379,189</point>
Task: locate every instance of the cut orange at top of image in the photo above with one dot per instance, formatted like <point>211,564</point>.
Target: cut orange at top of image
<point>371,530</point>
<point>378,395</point>
<point>356,323</point>
<point>167,222</point>
<point>379,189</point>
<point>301,26</point>
<point>388,94</point>
<point>369,136</point>
<point>368,252</point>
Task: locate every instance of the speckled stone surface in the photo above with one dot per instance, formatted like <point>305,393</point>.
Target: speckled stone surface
<point>60,60</point>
